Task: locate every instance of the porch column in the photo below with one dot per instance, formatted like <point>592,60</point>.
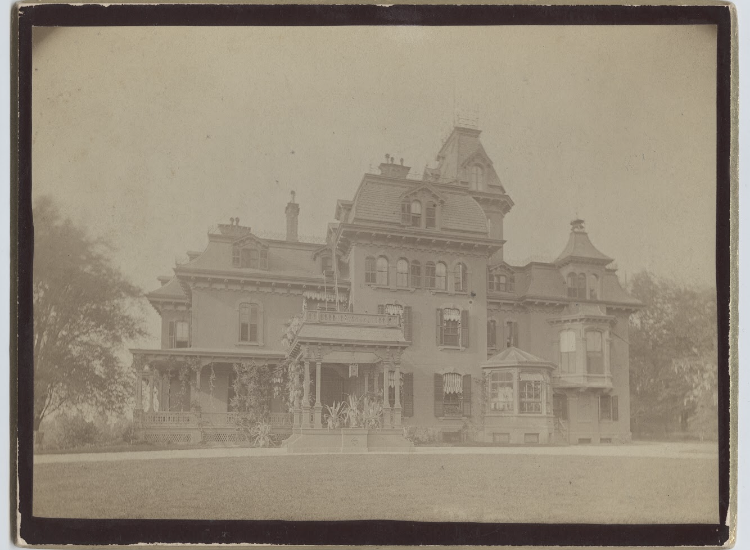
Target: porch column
<point>386,400</point>
<point>318,404</point>
<point>397,403</point>
<point>139,390</point>
<point>296,422</point>
<point>306,397</point>
<point>151,391</point>
<point>164,400</point>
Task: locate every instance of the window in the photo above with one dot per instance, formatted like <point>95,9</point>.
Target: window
<point>567,351</point>
<point>179,334</point>
<point>402,273</point>
<point>501,391</point>
<point>530,393</point>
<point>405,213</point>
<point>407,392</point>
<point>416,274</point>
<point>416,214</point>
<point>248,323</point>
<point>502,283</point>
<point>594,353</point>
<point>511,334</point>
<point>476,177</point>
<point>452,395</point>
<point>577,286</point>
<point>236,262</point>
<point>452,327</point>
<point>461,280</point>
<point>560,406</point>
<point>370,277</point>
<point>490,281</point>
<point>491,334</point>
<point>264,258</point>
<point>382,265</point>
<point>608,408</point>
<point>327,265</point>
<point>594,285</point>
<point>582,286</point>
<point>430,216</point>
<point>440,277</point>
<point>429,275</point>
<point>254,258</point>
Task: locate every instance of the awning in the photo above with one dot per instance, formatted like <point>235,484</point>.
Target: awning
<point>325,296</point>
<point>452,383</point>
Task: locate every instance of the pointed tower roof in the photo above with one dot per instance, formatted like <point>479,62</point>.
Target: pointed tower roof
<point>516,357</point>
<point>579,247</point>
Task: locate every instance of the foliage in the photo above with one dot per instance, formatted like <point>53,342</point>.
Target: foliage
<point>76,431</point>
<point>673,355</point>
<point>260,435</point>
<point>83,317</point>
<point>336,415</point>
<point>421,435</point>
<point>363,412</point>
<point>253,390</point>
<point>289,331</point>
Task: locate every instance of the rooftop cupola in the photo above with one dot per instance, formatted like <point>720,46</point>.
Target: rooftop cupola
<point>292,217</point>
<point>390,169</point>
<point>580,249</point>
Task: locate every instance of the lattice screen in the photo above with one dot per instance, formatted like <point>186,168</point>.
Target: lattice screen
<point>168,438</point>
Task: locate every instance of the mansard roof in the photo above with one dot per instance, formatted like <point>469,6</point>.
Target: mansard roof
<point>169,290</point>
<point>424,187</point>
<point>380,201</point>
<point>580,248</point>
<point>462,148</point>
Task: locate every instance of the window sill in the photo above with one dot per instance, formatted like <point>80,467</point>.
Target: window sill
<point>451,348</point>
<point>452,417</point>
<point>251,344</point>
<point>450,292</point>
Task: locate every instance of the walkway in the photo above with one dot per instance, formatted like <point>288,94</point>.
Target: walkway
<point>636,450</point>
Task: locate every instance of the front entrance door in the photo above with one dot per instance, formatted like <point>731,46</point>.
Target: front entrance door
<point>331,387</point>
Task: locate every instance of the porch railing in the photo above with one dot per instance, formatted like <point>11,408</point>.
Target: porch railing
<point>346,318</point>
<point>187,419</point>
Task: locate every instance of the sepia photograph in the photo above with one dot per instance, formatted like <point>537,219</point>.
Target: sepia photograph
<point>404,273</point>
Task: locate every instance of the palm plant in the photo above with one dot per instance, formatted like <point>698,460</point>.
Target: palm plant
<point>353,411</point>
<point>260,435</point>
<point>336,415</point>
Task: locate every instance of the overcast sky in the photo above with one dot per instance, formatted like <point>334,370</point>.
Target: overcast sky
<point>150,135</point>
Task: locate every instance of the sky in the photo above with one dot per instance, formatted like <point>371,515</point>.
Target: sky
<point>148,136</point>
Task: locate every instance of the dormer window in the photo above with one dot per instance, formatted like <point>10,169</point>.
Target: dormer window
<point>406,213</point>
<point>430,216</point>
<point>476,177</point>
<point>250,257</point>
<point>577,286</point>
<point>416,214</point>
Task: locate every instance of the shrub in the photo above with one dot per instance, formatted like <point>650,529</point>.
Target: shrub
<point>76,431</point>
<point>260,435</point>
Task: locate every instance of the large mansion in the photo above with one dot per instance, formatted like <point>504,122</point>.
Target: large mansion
<point>409,298</point>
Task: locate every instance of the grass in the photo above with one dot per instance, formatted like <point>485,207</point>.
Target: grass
<point>488,488</point>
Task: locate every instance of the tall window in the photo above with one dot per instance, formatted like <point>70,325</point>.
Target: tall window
<point>593,287</point>
<point>440,276</point>
<point>254,258</point>
<point>406,213</point>
<point>416,274</point>
<point>429,275</point>
<point>577,286</point>
<point>594,352</point>
<point>248,323</point>
<point>236,256</point>
<point>491,333</point>
<point>476,177</point>
<point>448,326</point>
<point>370,270</point>
<point>402,273</point>
<point>327,264</point>
<point>461,280</point>
<point>608,408</point>
<point>530,393</point>
<point>567,351</point>
<point>452,395</point>
<point>511,334</point>
<point>582,286</point>
<point>264,258</point>
<point>416,214</point>
<point>501,391</point>
<point>179,334</point>
<point>502,283</point>
<point>382,265</point>
<point>490,281</point>
<point>430,216</point>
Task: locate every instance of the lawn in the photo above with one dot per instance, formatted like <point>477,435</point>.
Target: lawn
<point>488,488</point>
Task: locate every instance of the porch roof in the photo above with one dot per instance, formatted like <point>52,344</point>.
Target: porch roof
<point>208,353</point>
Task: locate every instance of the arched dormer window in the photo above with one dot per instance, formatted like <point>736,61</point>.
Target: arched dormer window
<point>440,276</point>
<point>567,351</point>
<point>402,273</point>
<point>476,177</point>
<point>430,221</point>
<point>577,286</point>
<point>416,213</point>
<point>429,275</point>
<point>370,270</point>
<point>382,273</point>
<point>416,274</point>
<point>249,329</point>
<point>461,278</point>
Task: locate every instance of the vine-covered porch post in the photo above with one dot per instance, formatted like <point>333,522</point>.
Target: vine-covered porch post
<point>306,397</point>
<point>164,396</point>
<point>318,403</point>
<point>151,389</point>
<point>297,420</point>
<point>386,392</point>
<point>397,384</point>
<point>138,366</point>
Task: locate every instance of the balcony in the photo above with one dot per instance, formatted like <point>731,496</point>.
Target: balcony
<point>582,380</point>
<point>346,318</point>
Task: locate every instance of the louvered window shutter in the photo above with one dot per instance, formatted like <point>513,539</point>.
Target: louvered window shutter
<point>439,395</point>
<point>381,309</point>
<point>439,328</point>
<point>464,328</point>
<point>466,390</point>
<point>407,323</point>
<point>407,395</point>
<point>615,411</point>
<point>171,334</point>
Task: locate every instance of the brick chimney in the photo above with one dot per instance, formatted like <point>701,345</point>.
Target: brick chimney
<point>292,214</point>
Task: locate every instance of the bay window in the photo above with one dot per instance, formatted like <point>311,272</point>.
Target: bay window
<point>594,352</point>
<point>502,396</point>
<point>530,393</point>
<point>567,351</point>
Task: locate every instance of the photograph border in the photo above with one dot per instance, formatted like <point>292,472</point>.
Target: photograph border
<point>38,530</point>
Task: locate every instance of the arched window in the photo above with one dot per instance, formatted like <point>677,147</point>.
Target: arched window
<point>572,285</point>
<point>582,286</point>
<point>476,177</point>
<point>416,274</point>
<point>416,214</point>
<point>429,275</point>
<point>440,276</point>
<point>382,276</point>
<point>402,273</point>
<point>593,287</point>
<point>567,351</point>
<point>430,221</point>
<point>461,278</point>
<point>249,326</point>
<point>594,352</point>
<point>370,277</point>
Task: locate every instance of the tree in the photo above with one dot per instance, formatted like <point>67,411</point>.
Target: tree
<point>84,313</point>
<point>673,354</point>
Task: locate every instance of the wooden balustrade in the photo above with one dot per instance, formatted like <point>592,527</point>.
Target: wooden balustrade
<point>174,418</point>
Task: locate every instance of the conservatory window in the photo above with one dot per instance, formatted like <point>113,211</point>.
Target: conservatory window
<point>530,393</point>
<point>501,391</point>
